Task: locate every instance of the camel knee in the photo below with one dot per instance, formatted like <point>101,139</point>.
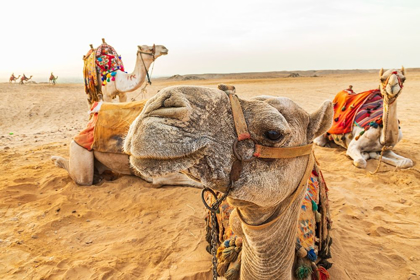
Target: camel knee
<point>360,163</point>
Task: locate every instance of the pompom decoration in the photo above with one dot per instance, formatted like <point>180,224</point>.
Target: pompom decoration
<point>113,79</point>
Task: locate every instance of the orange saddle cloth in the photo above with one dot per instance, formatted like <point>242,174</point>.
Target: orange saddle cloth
<point>346,105</point>
<point>107,129</point>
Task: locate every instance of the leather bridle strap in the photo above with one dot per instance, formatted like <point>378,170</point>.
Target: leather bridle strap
<point>152,54</point>
<point>302,185</point>
<point>260,150</point>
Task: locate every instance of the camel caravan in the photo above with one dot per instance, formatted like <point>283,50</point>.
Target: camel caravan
<point>23,79</point>
<point>267,201</point>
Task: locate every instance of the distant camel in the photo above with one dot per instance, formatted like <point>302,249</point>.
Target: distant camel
<point>13,78</point>
<point>52,79</point>
<point>24,79</point>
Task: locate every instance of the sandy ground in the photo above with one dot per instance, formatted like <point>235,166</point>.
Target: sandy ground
<point>127,229</point>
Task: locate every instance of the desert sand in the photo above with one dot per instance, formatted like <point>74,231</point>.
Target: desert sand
<point>128,229</point>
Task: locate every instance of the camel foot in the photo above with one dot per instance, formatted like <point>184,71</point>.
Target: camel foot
<point>321,141</point>
<point>60,162</point>
<point>360,163</point>
<point>405,163</point>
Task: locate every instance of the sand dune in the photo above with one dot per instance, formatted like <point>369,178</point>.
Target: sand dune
<point>128,229</point>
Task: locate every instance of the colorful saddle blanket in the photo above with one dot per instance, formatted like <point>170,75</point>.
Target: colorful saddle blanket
<point>106,130</point>
<point>312,233</point>
<point>350,107</point>
<point>100,64</point>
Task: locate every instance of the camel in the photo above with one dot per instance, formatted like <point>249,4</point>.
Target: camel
<point>380,136</point>
<point>124,82</point>
<point>52,79</point>
<point>24,79</point>
<point>13,78</point>
<point>192,130</point>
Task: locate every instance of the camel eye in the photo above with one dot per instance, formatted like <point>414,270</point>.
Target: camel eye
<point>403,80</point>
<point>273,135</point>
<point>383,79</point>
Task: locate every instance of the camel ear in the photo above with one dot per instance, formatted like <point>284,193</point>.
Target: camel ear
<point>403,70</point>
<point>139,47</point>
<point>381,72</point>
<point>320,121</point>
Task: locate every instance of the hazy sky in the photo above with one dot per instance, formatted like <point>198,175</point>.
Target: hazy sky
<point>38,37</point>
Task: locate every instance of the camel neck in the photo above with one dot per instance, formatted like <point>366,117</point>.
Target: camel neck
<point>130,82</point>
<point>268,253</point>
<point>390,130</point>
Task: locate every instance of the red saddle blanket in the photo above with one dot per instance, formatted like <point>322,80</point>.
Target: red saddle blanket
<point>348,104</point>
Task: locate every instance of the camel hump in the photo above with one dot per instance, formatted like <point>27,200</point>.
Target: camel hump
<point>227,88</point>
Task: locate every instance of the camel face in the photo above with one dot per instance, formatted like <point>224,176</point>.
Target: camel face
<point>191,129</point>
<point>391,82</point>
<point>159,50</point>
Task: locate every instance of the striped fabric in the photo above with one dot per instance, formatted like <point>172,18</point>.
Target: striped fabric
<point>371,110</point>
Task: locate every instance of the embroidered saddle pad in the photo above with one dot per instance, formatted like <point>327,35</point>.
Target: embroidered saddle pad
<point>347,104</point>
<point>106,130</point>
<point>313,225</point>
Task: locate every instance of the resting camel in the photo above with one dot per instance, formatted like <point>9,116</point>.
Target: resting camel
<point>123,82</point>
<point>192,130</point>
<point>380,131</point>
<point>24,79</point>
<point>52,79</point>
<point>13,78</point>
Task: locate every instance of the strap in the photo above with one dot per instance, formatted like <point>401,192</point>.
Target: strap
<point>302,184</point>
<point>284,152</point>
<point>239,119</point>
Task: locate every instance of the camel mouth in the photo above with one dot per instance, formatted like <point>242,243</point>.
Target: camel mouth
<point>154,166</point>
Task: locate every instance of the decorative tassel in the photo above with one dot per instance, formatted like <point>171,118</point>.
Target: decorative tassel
<point>315,272</point>
<point>219,252</point>
<point>311,255</point>
<point>323,273</point>
<point>302,253</point>
<point>303,271</point>
<point>314,206</point>
<point>233,273</point>
<point>351,106</point>
<point>343,108</point>
<point>226,243</point>
<point>229,254</point>
<point>222,267</point>
<point>232,242</point>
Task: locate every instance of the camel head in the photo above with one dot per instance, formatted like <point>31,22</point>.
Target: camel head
<point>157,50</point>
<point>391,82</point>
<point>191,130</point>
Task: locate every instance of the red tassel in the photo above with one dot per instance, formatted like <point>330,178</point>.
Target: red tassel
<point>323,273</point>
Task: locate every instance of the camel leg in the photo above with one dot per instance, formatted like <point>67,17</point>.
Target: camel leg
<point>122,97</point>
<point>393,159</point>
<point>80,165</point>
<point>176,179</point>
<point>359,158</point>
